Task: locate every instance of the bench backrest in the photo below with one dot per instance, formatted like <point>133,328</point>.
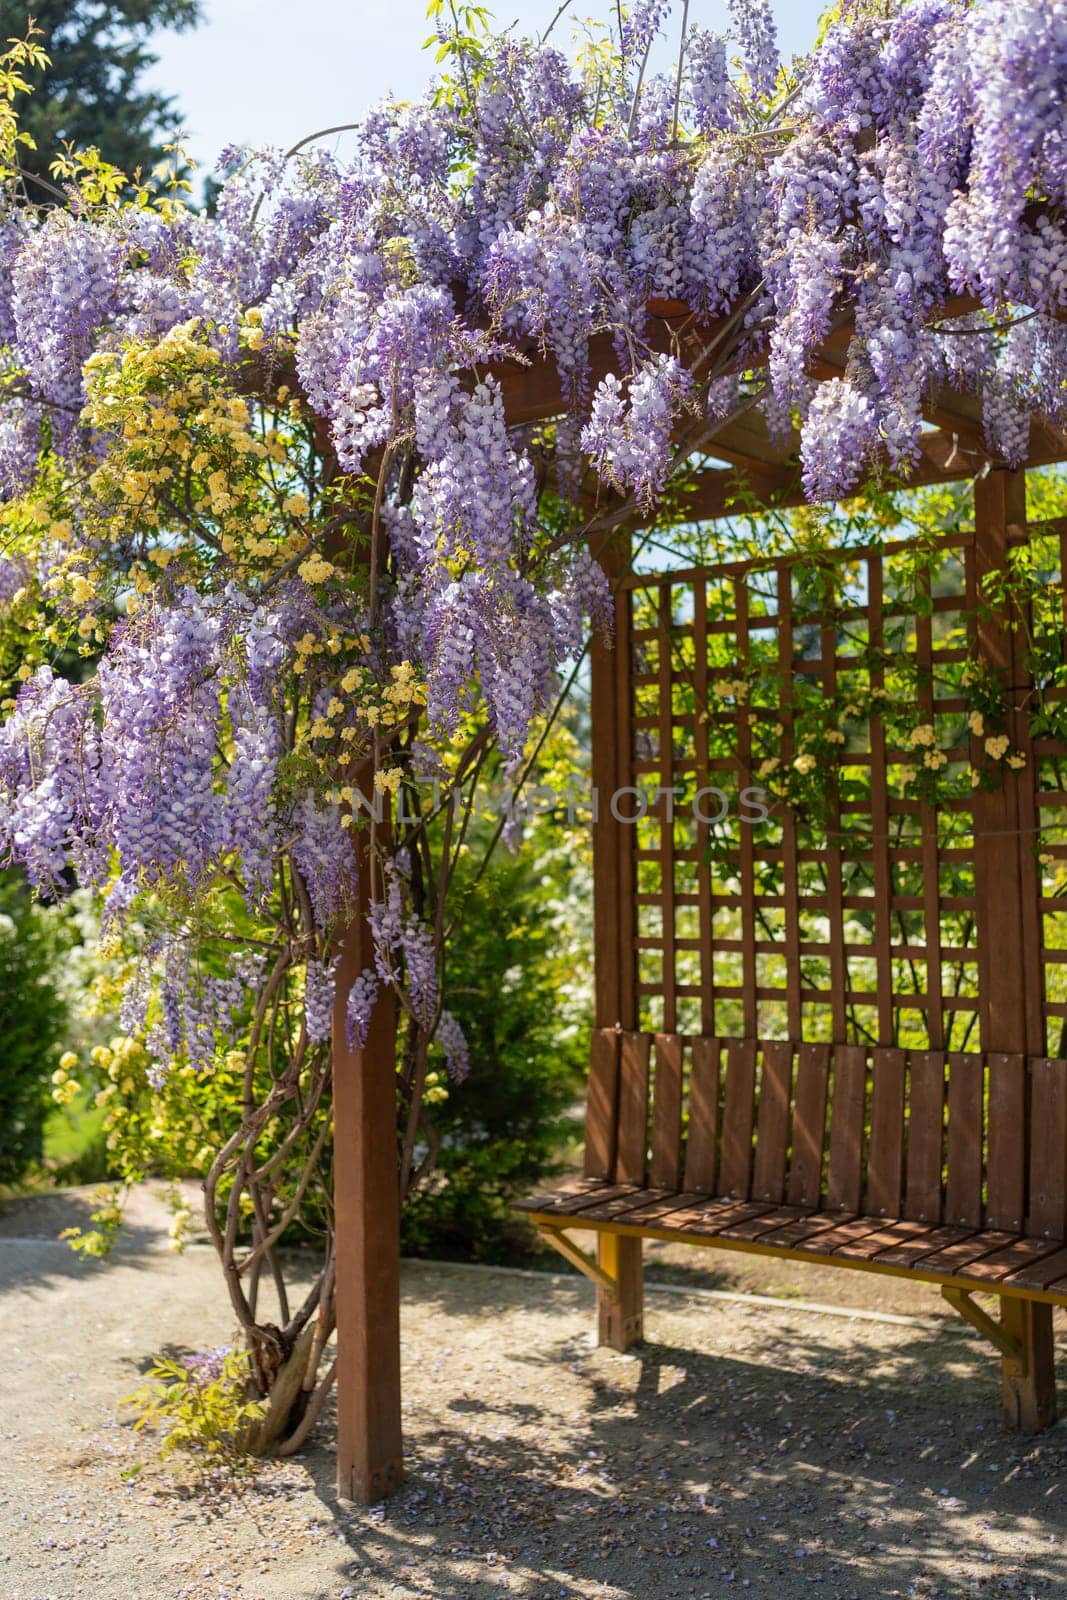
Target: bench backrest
<point>978,1141</point>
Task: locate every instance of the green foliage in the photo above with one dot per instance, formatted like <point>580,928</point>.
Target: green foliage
<point>514,970</point>
<point>202,1411</point>
<point>33,1024</point>
<point>90,92</point>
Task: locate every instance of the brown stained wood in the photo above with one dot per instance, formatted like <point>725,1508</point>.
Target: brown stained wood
<point>999,500</point>
<point>844,1182</point>
<point>1029,1383</point>
<point>926,1128</point>
<point>882,870</point>
<point>737,1119</point>
<point>839,982</point>
<point>768,1222</point>
<point>666,1167</point>
<point>963,1190</point>
<point>609,888</point>
<point>700,689</point>
<point>665,804</point>
<point>790,876</point>
<point>746,843</point>
<point>662,1207</point>
<point>804,1185</point>
<point>885,1166</point>
<point>1048,1148</point>
<point>1006,1174</point>
<point>722,1215</point>
<point>1039,1274</point>
<point>703,1131</point>
<point>631,1156</point>
<point>772,1136</point>
<point>620,1314</point>
<point>367,1219</point>
<point>621,777</point>
<point>569,1189</point>
<point>597,1194</point>
<point>885,1238</point>
<point>602,1104</point>
<point>617,1208</point>
<point>1013,1258</point>
<point>909,1252</point>
<point>789,1234</point>
<point>955,1259</point>
<point>845,1232</point>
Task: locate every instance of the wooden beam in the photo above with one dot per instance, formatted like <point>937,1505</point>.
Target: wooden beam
<point>367,1225</point>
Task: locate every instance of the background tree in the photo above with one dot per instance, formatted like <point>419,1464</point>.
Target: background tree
<point>92,93</point>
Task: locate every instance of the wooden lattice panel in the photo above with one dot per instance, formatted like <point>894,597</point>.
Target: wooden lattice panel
<point>868,914</point>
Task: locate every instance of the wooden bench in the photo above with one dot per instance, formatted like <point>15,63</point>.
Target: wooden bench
<point>949,1169</point>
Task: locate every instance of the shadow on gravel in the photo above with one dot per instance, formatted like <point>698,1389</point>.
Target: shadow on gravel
<point>864,1471</point>
<point>32,1255</point>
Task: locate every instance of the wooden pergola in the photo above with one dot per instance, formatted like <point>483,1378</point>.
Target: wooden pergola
<point>1012,1008</point>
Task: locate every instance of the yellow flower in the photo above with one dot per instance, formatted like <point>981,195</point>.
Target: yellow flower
<point>997,745</point>
<point>388,779</point>
<point>804,764</point>
<point>976,723</point>
<point>68,1061</point>
<point>835,736</point>
<point>315,569</point>
<point>934,759</point>
<point>924,734</point>
<point>1017,760</point>
<point>770,765</point>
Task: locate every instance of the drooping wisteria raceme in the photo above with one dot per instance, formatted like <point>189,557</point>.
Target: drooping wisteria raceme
<point>290,548</point>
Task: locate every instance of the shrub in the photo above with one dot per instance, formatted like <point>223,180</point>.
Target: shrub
<point>33,1023</point>
<point>517,986</point>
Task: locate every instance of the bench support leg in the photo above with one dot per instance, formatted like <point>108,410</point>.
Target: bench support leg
<point>1029,1378</point>
<point>621,1309</point>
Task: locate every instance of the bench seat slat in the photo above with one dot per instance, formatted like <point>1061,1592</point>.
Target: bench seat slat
<point>955,1259</point>
<point>1002,1263</point>
<point>806,1227</point>
<point>651,1211</point>
<point>569,1204</point>
<point>844,1233</point>
<point>884,1238</point>
<point>908,1253</point>
<point>552,1199</point>
<point>1040,1274</point>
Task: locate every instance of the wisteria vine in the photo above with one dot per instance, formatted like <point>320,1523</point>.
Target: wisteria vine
<point>281,546</point>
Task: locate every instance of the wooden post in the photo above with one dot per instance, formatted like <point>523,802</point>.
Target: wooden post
<point>615,1005</point>
<point>620,1316</point>
<point>1030,1381</point>
<point>367,1224</point>
<point>1006,889</point>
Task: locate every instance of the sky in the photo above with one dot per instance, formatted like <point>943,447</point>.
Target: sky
<point>272,71</point>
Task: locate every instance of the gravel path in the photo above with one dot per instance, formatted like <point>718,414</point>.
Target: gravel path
<point>748,1447</point>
